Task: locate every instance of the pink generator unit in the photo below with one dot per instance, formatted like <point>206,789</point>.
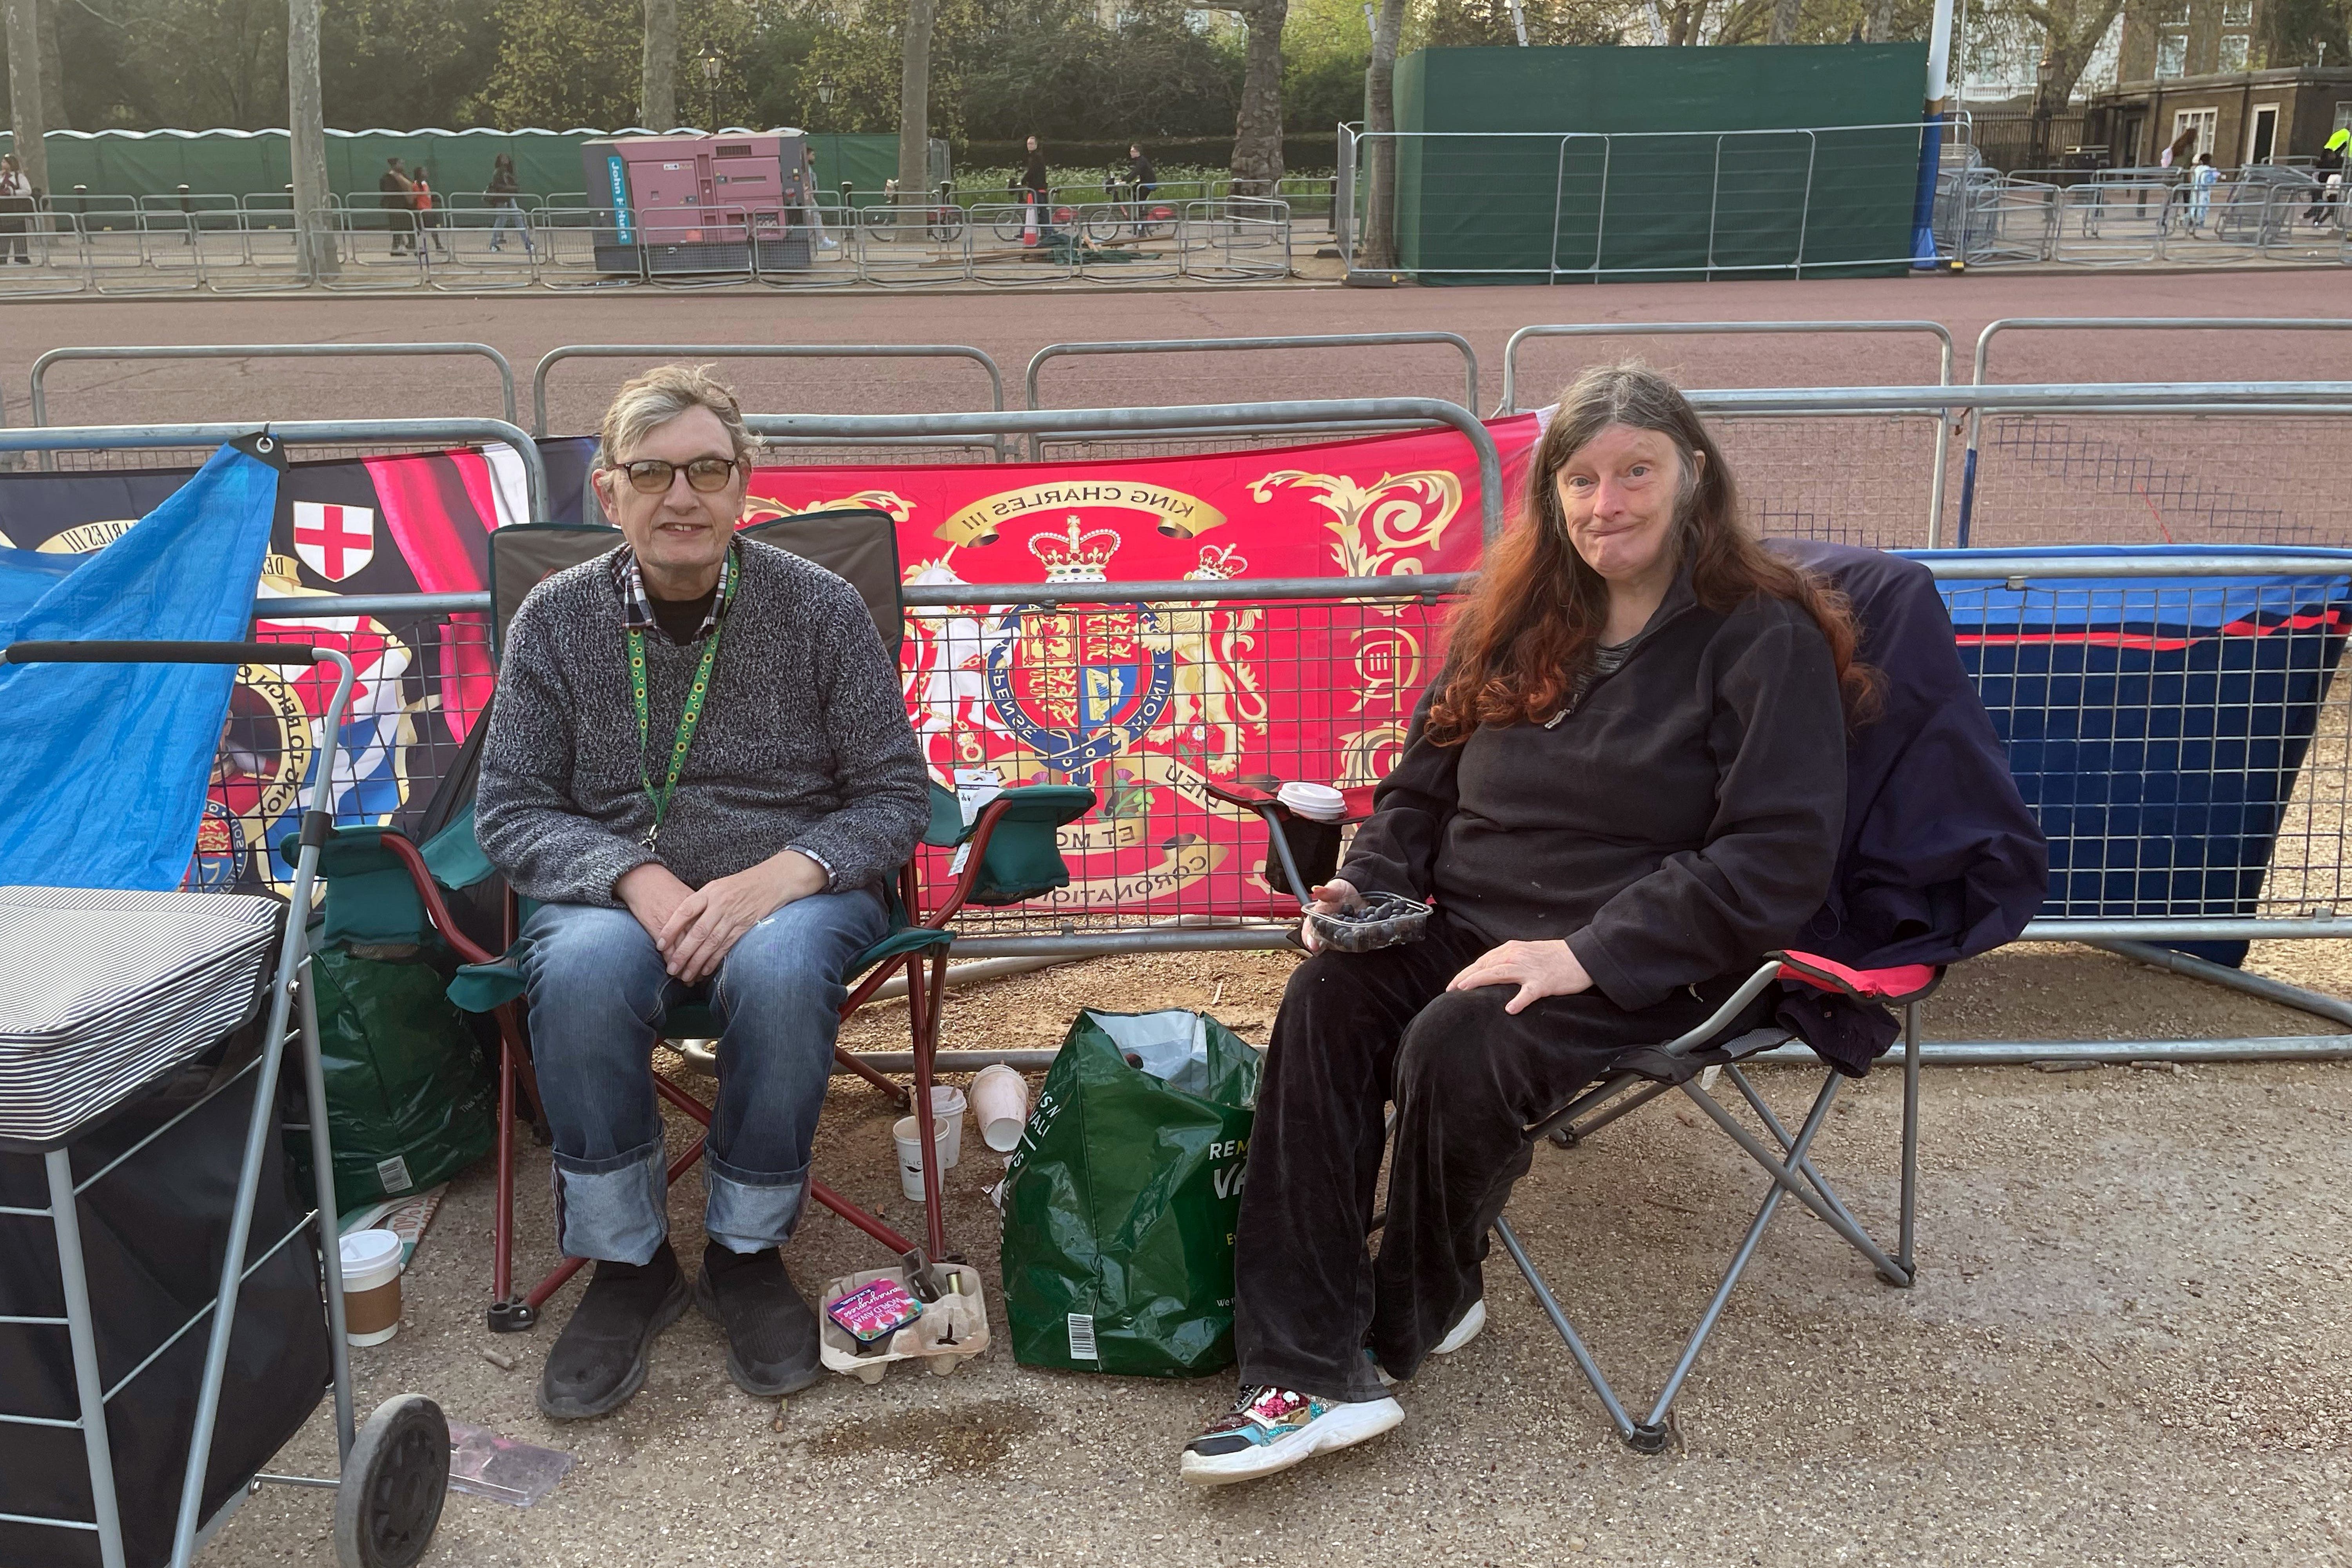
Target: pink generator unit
<point>727,204</point>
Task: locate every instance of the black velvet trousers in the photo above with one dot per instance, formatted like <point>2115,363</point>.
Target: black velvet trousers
<point>1356,1032</point>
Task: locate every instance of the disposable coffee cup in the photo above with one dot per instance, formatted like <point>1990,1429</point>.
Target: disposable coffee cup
<point>1315,802</point>
<point>999,1104</point>
<point>371,1285</point>
<point>949,1102</point>
<point>909,1133</point>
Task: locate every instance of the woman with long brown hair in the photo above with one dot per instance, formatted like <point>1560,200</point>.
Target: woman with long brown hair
<point>1626,784</point>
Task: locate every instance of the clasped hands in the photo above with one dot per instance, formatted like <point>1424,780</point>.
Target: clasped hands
<point>695,928</point>
<point>1538,968</point>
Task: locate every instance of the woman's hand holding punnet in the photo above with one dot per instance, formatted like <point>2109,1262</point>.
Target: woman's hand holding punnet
<point>1329,898</point>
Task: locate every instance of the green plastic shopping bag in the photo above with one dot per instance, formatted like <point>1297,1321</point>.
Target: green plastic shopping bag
<point>1120,1200</point>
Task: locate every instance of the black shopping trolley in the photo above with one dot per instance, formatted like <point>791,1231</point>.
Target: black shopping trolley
<point>142,1035</point>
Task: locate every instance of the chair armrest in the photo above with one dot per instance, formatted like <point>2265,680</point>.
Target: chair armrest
<point>1024,817</point>
<point>1897,986</point>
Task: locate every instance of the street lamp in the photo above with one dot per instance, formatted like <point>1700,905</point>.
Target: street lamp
<point>710,63</point>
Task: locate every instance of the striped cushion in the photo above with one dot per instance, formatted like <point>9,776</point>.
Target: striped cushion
<point>104,991</point>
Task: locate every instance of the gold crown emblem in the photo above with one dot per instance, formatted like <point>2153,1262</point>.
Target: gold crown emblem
<point>1076,557</point>
<point>1219,562</point>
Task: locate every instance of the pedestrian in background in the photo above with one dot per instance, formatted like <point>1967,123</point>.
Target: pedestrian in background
<point>2183,145</point>
<point>2328,169</point>
<point>1032,191</point>
<point>398,203</point>
<point>507,212</point>
<point>428,218</point>
<point>2200,184</point>
<point>15,211</point>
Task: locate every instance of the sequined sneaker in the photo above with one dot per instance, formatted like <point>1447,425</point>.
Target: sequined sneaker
<point>1271,1429</point>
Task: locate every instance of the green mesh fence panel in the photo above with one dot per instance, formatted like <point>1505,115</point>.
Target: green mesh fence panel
<point>1657,163</point>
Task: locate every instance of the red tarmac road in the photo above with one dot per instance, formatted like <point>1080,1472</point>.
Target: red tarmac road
<point>1012,325</point>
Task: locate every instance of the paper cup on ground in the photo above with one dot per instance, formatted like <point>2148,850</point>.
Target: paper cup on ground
<point>1315,802</point>
<point>999,1103</point>
<point>948,1103</point>
<point>909,1133</point>
<point>371,1285</point>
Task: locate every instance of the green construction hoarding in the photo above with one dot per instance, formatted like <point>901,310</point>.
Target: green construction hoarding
<point>255,162</point>
<point>1612,164</point>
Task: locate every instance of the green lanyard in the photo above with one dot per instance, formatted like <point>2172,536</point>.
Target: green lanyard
<point>686,720</point>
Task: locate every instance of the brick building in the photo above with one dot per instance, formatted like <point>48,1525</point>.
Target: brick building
<point>2199,63</point>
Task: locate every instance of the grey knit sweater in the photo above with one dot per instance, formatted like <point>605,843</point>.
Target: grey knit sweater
<point>803,742</point>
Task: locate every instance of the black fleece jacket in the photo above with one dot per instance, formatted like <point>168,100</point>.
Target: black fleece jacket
<point>1683,820</point>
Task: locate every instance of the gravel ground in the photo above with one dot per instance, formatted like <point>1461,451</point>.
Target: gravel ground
<point>2127,1344</point>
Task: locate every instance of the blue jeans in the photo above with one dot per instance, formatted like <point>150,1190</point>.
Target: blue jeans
<point>509,217</point>
<point>598,995</point>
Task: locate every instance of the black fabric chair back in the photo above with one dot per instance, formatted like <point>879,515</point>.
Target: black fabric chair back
<point>858,545</point>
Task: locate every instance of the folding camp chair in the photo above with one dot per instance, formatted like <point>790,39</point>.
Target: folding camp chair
<point>1902,622</point>
<point>1008,854</point>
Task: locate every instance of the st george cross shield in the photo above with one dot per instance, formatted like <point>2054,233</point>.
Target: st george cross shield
<point>1080,687</point>
<point>333,541</point>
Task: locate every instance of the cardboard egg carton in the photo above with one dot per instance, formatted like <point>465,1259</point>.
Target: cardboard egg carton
<point>951,1329</point>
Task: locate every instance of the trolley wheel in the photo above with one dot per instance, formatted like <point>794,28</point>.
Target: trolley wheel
<point>394,1482</point>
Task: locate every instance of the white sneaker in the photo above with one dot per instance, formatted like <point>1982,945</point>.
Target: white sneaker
<point>1464,1331</point>
<point>1271,1429</point>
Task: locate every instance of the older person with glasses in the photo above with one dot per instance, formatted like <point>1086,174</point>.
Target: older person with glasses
<point>699,766</point>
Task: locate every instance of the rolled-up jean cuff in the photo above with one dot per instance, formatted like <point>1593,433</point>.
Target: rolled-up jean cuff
<point>615,1209</point>
<point>750,1210</point>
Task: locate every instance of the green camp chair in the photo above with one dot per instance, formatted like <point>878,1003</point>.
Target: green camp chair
<point>383,886</point>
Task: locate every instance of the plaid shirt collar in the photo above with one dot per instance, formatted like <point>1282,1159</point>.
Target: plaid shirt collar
<point>636,605</point>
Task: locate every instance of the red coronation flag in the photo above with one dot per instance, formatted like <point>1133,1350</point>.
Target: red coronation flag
<point>1148,705</point>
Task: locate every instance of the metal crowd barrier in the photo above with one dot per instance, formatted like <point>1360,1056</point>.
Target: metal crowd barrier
<point>2296,888</point>
<point>270,351</point>
<point>2131,476</point>
<point>1359,413</point>
<point>1243,345</point>
<point>428,434</point>
<point>1781,477</point>
<point>992,445</point>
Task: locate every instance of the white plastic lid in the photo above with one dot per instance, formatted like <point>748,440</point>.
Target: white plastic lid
<point>370,1257</point>
<point>1317,803</point>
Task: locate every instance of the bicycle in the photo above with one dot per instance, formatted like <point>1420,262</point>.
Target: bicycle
<point>1014,223</point>
<point>942,223</point>
<point>1127,214</point>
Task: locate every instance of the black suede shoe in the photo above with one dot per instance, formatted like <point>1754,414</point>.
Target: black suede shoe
<point>772,1338</point>
<point>600,1358</point>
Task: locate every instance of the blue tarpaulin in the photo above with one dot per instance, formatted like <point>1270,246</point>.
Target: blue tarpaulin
<point>104,772</point>
<point>2157,725</point>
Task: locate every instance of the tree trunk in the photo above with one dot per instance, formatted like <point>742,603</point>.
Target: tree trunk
<point>915,108</point>
<point>1258,128</point>
<point>53,68</point>
<point>25,118</point>
<point>658,89</point>
<point>1878,24</point>
<point>2071,33</point>
<point>1378,240</point>
<point>306,125</point>
<point>1784,23</point>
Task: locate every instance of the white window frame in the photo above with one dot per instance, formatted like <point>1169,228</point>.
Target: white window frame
<point>2205,120</point>
<point>2237,13</point>
<point>2245,52</point>
<point>2179,66</point>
